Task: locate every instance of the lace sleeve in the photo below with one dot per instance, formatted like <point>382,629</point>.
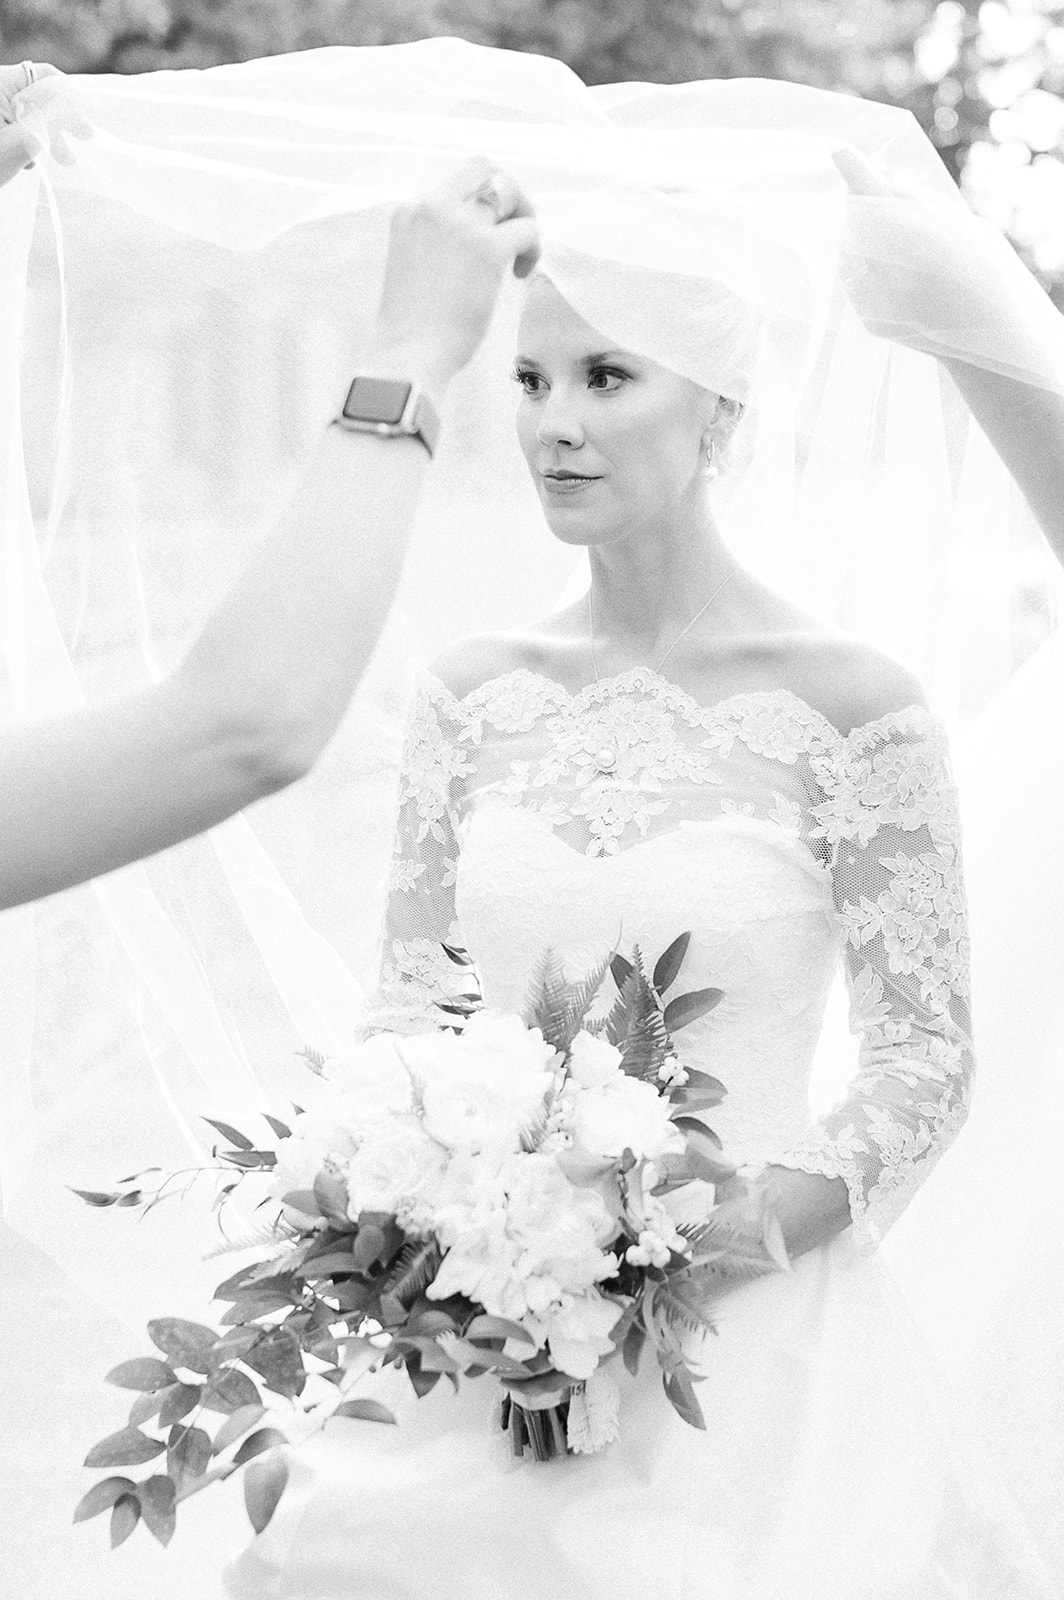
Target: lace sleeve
<point>415,971</point>
<point>889,817</point>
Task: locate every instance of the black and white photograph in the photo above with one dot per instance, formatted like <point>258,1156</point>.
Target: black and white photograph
<point>531,866</point>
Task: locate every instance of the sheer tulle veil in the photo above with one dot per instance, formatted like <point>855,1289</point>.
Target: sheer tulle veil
<point>181,308</point>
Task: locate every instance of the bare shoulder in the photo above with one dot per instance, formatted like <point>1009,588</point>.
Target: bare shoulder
<point>476,660</point>
<point>850,681</point>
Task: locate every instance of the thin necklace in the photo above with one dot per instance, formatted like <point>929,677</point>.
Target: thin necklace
<point>675,642</point>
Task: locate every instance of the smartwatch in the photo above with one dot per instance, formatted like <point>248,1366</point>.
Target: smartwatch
<point>392,408</point>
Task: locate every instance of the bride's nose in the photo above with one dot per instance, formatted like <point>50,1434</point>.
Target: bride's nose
<point>559,420</point>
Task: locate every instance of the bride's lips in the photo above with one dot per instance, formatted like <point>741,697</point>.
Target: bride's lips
<point>563,484</point>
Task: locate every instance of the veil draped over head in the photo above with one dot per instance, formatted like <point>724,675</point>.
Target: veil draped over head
<point>181,310</point>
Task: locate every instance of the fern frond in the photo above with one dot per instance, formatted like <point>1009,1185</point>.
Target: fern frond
<point>681,1307</point>
<point>646,1041</point>
<point>277,1232</point>
<point>545,1005</point>
<point>578,1003</point>
<point>415,1267</point>
<point>710,1276</point>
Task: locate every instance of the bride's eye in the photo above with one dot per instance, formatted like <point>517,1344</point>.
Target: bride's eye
<point>530,381</point>
<point>614,378</point>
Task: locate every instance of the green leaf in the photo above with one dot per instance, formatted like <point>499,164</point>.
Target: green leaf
<point>364,1411</point>
<point>621,969</point>
<point>422,1380</point>
<point>235,1426</point>
<point>264,1484</point>
<point>705,1141</point>
<point>688,1008</point>
<point>252,1305</point>
<point>235,1343</point>
<point>304,1200</point>
<point>125,1515</point>
<point>669,963</point>
<point>368,1247</point>
<point>179,1401</point>
<point>126,1448</point>
<point>455,953</point>
<point>145,1406</point>
<point>433,1358</point>
<point>330,1192</point>
<point>319,1342</point>
<point>250,1160</point>
<point>227,1131</point>
<point>188,1452</point>
<point>681,1392</point>
<point>98,1197</point>
<point>265,1439</point>
<point>632,1349</point>
<point>326,1266</point>
<point>430,1320</point>
<point>188,1344</point>
<point>485,1327</point>
<point>278,1360</point>
<point>281,1129</point>
<point>230,1391</point>
<point>157,1498</point>
<point>101,1497</point>
<point>146,1374</point>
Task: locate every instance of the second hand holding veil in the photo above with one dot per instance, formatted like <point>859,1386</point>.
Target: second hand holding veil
<point>182,309</point>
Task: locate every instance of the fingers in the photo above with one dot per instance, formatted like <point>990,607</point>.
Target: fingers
<point>18,149</point>
<point>858,173</point>
<point>519,238</point>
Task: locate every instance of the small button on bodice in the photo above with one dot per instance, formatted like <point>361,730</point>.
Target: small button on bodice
<point>606,760</point>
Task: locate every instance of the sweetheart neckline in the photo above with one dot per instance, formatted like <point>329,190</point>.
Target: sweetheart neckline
<point>759,825</point>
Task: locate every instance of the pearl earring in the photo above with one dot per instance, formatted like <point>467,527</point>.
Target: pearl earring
<point>712,470</point>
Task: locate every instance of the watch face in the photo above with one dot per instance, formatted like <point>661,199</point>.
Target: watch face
<point>376,400</point>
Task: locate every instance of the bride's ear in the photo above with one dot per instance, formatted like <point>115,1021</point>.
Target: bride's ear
<point>725,415</point>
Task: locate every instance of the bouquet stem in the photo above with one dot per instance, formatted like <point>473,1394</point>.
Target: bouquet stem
<point>543,1430</point>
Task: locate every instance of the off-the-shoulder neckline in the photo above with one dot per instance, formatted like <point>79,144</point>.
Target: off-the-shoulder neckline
<point>645,678</point>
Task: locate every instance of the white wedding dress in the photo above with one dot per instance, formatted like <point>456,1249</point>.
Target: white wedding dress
<point>834,1465</point>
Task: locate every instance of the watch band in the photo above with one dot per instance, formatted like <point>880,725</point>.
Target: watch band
<point>392,408</point>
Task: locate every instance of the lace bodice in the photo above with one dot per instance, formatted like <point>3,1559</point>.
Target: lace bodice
<point>626,814</point>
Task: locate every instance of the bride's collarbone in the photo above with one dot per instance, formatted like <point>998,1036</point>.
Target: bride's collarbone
<point>845,679</point>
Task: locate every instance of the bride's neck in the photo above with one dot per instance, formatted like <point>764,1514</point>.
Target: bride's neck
<point>645,590</point>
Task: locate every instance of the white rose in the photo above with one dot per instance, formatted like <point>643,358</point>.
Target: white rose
<point>625,1115</point>
<point>484,1086</point>
<point>593,1063</point>
<point>395,1163</point>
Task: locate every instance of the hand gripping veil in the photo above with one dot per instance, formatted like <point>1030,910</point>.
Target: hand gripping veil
<point>181,309</point>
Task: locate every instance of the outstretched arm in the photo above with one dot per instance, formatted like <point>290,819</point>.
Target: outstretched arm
<point>951,277</point>
<point>264,686</point>
<point>1025,425</point>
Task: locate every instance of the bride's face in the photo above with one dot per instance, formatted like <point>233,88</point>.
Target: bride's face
<point>612,439</point>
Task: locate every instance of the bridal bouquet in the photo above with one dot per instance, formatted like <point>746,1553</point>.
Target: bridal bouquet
<point>530,1198</point>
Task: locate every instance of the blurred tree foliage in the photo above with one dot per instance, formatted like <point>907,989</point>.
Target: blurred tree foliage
<point>983,77</point>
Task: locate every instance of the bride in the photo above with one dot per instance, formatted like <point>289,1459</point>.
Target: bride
<point>683,748</point>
